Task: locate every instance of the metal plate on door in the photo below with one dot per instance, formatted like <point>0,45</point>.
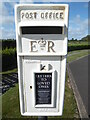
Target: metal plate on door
<point>43,85</point>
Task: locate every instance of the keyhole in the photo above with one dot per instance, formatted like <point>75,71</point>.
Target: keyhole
<point>30,87</point>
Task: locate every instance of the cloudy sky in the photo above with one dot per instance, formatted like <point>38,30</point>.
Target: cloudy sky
<point>78,17</point>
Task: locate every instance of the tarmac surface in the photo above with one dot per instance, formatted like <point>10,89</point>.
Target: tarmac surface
<point>79,70</point>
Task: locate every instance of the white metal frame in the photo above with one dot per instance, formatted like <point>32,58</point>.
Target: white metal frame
<point>20,56</point>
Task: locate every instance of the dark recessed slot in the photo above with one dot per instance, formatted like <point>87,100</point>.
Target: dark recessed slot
<point>42,30</point>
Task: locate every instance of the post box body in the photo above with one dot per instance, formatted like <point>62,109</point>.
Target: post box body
<point>41,36</point>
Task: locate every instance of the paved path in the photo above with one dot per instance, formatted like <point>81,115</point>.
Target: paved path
<point>79,70</point>
<point>7,81</point>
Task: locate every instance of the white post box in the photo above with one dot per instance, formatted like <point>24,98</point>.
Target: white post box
<point>41,36</point>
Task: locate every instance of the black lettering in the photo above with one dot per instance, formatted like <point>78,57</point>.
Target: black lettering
<point>56,15</point>
<point>42,15</point>
<point>30,15</point>
<point>46,15</point>
<point>22,15</point>
<point>61,15</point>
<point>50,46</point>
<point>27,15</point>
<point>35,15</point>
<point>33,46</point>
<point>50,15</point>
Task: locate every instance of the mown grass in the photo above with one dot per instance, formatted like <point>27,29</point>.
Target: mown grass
<point>10,103</point>
<point>78,54</point>
<point>9,71</point>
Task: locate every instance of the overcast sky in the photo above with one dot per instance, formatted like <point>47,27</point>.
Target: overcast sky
<point>78,18</point>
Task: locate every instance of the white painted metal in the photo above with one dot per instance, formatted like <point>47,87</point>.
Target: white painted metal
<point>31,56</point>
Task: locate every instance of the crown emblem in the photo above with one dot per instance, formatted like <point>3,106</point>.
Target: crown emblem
<point>42,42</point>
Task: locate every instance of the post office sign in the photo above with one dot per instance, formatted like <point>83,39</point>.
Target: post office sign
<point>42,15</point>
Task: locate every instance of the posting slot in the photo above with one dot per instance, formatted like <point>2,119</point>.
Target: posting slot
<point>42,30</point>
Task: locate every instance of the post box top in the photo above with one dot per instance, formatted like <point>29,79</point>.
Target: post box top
<point>57,5</point>
<point>37,21</point>
<point>42,14</point>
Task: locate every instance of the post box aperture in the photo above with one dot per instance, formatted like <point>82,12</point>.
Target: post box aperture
<point>42,30</point>
<point>41,36</point>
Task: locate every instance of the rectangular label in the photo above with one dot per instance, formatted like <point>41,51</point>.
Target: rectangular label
<point>43,85</point>
<point>42,15</point>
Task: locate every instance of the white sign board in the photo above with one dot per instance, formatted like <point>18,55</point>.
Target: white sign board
<point>42,15</point>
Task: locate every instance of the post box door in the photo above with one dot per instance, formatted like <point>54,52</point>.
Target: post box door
<point>41,85</point>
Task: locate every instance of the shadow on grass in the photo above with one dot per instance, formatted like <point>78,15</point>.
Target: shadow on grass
<point>8,80</point>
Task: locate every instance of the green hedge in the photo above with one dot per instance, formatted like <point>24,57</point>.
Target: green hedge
<point>8,43</point>
<point>9,59</point>
<point>78,47</point>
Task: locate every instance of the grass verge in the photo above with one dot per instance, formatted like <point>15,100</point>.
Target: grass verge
<point>77,54</point>
<point>9,71</point>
